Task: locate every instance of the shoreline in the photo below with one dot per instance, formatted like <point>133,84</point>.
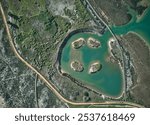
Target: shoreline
<point>145,40</point>
<point>139,18</point>
<point>121,69</point>
<point>57,64</point>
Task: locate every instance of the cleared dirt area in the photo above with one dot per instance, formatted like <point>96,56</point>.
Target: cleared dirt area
<point>140,57</point>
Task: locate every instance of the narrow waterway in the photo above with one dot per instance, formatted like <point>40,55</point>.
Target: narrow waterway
<point>140,26</point>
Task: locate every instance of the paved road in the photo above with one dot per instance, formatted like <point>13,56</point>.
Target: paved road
<point>50,84</point>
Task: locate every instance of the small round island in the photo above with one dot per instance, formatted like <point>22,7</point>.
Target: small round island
<point>93,43</point>
<point>78,43</point>
<point>77,66</point>
<point>95,67</point>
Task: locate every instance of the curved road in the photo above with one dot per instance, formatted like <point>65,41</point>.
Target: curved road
<point>48,83</point>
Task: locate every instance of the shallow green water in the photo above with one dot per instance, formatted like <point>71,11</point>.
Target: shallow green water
<point>142,26</point>
<point>109,79</point>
